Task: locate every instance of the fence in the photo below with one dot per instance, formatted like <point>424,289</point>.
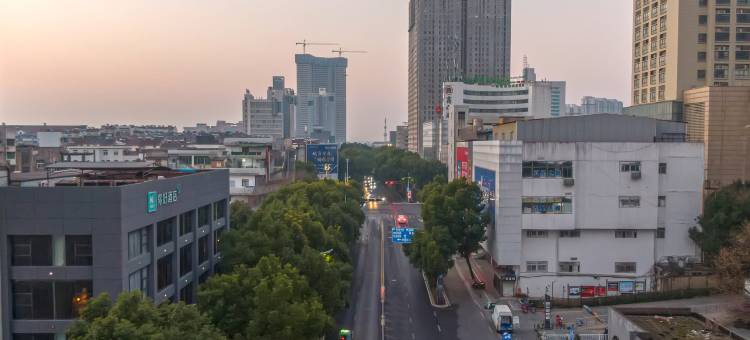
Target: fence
<point>574,302</point>
<point>558,336</point>
<point>687,282</point>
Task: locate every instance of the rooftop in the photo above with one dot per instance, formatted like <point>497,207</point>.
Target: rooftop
<point>672,323</point>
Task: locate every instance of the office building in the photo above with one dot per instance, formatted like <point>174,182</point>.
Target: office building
<point>719,118</point>
<point>452,41</point>
<point>260,117</point>
<point>321,97</point>
<point>585,201</point>
<point>679,45</point>
<point>471,109</point>
<point>402,137</point>
<point>115,227</point>
<point>593,105</point>
<point>283,102</point>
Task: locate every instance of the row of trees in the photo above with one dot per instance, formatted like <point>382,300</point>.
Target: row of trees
<point>455,221</point>
<point>388,163</point>
<point>286,271</point>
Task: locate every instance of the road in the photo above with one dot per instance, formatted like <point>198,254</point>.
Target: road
<point>406,310</point>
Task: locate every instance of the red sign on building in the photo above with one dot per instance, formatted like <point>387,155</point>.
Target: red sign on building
<point>463,165</point>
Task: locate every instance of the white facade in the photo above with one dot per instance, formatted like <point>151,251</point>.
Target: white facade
<point>605,212</point>
<point>101,153</point>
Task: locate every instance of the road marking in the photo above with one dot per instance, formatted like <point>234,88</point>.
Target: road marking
<point>434,314</point>
<point>410,320</point>
<point>413,336</point>
<point>440,330</point>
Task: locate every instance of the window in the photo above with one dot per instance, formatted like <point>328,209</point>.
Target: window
<point>630,202</point>
<point>49,300</point>
<point>662,168</point>
<point>165,231</point>
<point>630,166</point>
<point>723,15</point>
<point>742,52</point>
<point>220,210</point>
<point>721,52</point>
<point>702,19</point>
<point>204,213</point>
<point>78,250</point>
<point>187,222</point>
<point>217,239</point>
<point>702,57</point>
<point>743,15</point>
<point>138,242</point>
<point>570,233</point>
<point>186,259</point>
<point>33,336</point>
<point>245,182</point>
<point>186,294</point>
<point>536,266</point>
<point>626,234</point>
<point>702,3</point>
<point>569,267</point>
<point>701,74</point>
<point>742,71</point>
<point>541,169</point>
<point>661,232</point>
<point>203,249</point>
<point>138,280</point>
<point>547,205</point>
<point>624,267</point>
<point>31,250</point>
<point>722,2</point>
<point>721,71</point>
<point>662,201</point>
<point>164,272</point>
<point>537,233</point>
<point>743,33</point>
<point>702,38</point>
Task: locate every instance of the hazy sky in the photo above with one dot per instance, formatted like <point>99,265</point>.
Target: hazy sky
<point>185,61</point>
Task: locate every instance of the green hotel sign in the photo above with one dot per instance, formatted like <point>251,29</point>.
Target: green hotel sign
<point>156,199</point>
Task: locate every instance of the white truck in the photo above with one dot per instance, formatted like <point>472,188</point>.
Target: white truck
<point>502,319</point>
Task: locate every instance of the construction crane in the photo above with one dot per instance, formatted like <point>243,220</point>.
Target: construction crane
<point>304,44</point>
<point>342,51</point>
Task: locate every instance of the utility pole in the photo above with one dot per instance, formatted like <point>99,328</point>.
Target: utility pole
<point>346,180</point>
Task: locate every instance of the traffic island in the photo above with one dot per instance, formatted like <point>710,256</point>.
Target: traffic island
<point>431,294</point>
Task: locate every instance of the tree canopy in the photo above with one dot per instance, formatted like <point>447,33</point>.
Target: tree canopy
<point>724,214</point>
<point>134,317</point>
<point>733,262</point>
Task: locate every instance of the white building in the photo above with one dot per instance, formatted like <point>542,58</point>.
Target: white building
<point>593,105</point>
<point>101,153</point>
<point>484,106</point>
<point>579,208</point>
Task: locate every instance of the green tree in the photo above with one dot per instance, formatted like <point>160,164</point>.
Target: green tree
<point>268,301</point>
<point>724,213</point>
<point>425,253</point>
<point>457,208</point>
<point>305,171</point>
<point>134,316</point>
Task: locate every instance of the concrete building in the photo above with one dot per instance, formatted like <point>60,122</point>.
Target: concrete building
<point>679,45</point>
<point>100,153</point>
<point>470,108</point>
<point>586,201</point>
<point>719,117</point>
<point>260,117</point>
<point>197,156</point>
<point>452,41</point>
<point>593,105</point>
<point>250,163</point>
<point>220,127</point>
<point>402,137</point>
<point>110,230</point>
<point>284,103</point>
<point>321,97</point>
<point>626,323</point>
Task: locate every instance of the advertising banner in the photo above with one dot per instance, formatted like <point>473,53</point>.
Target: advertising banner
<point>627,287</point>
<point>325,159</point>
<point>601,291</point>
<point>463,166</point>
<point>574,291</point>
<point>588,291</point>
<point>640,286</point>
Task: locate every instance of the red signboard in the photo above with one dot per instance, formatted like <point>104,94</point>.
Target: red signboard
<point>463,166</point>
<point>588,291</point>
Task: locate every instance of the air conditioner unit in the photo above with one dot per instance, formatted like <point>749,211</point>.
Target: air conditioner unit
<point>569,182</point>
<point>635,175</point>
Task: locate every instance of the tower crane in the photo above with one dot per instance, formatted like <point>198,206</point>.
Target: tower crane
<point>304,44</point>
<point>341,51</point>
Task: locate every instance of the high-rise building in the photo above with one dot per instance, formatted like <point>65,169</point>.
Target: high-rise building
<point>321,97</point>
<point>284,103</point>
<point>452,41</point>
<point>260,117</point>
<point>679,45</point>
<point>593,105</point>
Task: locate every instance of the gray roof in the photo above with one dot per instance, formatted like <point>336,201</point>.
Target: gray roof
<point>102,165</point>
<point>600,128</point>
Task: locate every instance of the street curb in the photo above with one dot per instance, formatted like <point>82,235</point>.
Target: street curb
<point>432,299</point>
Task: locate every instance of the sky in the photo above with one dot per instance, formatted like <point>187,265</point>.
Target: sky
<point>180,62</point>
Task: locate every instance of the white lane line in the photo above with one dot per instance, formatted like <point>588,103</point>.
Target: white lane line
<point>413,336</point>
<point>410,320</point>
<point>440,330</point>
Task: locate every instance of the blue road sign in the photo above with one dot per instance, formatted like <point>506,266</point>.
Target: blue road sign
<point>402,235</point>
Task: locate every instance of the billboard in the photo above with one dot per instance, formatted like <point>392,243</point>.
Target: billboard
<point>486,181</point>
<point>325,159</point>
<point>463,166</point>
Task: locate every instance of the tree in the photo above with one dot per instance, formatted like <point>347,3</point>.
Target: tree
<point>724,213</point>
<point>305,171</point>
<point>425,254</point>
<point>134,316</point>
<point>268,301</point>
<point>457,208</point>
<point>733,262</point>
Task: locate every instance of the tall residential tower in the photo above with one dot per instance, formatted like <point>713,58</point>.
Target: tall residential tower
<point>321,97</point>
<point>452,41</point>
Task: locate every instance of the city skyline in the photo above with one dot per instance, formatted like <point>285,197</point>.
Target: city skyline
<point>94,65</point>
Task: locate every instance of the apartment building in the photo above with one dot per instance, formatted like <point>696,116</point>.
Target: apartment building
<point>586,202</point>
<point>111,229</point>
<point>100,153</point>
<point>593,105</point>
<point>684,44</point>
